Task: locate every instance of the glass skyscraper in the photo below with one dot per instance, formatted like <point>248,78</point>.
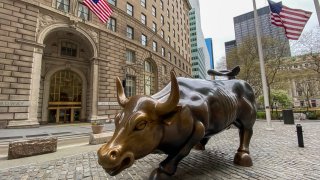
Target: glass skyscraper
<point>199,52</point>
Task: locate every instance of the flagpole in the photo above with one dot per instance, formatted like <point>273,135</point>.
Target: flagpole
<point>316,4</point>
<point>262,68</point>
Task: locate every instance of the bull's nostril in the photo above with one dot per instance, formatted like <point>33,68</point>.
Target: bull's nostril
<point>126,161</point>
<point>113,154</point>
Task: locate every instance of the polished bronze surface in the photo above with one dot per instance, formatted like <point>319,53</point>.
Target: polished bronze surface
<point>231,74</point>
<point>183,115</point>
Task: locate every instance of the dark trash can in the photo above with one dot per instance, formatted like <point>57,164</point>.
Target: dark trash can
<point>287,115</point>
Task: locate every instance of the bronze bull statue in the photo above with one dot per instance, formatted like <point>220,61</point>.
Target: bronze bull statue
<point>183,115</point>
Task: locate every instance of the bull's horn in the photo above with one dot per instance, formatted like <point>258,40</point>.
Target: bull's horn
<point>173,99</point>
<point>121,97</point>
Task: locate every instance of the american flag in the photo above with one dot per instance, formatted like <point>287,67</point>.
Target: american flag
<point>99,8</point>
<point>292,20</point>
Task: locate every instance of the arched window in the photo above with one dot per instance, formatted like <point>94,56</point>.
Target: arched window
<point>149,78</point>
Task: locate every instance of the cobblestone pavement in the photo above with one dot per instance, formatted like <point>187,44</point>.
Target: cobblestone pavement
<point>275,154</point>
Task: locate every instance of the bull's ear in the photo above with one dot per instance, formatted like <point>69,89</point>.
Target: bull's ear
<point>171,103</point>
<point>121,97</point>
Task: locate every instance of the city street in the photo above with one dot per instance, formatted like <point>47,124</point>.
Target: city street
<point>275,155</point>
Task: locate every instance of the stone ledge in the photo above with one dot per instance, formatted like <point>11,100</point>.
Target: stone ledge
<point>26,148</point>
<point>21,124</point>
<point>100,138</point>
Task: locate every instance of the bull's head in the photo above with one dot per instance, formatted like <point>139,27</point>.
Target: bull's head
<point>139,128</point>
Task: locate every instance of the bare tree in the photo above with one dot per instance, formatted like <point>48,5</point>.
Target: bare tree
<point>308,47</point>
<point>307,88</point>
<point>246,56</point>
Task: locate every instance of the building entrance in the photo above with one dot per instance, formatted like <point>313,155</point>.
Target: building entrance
<point>64,104</point>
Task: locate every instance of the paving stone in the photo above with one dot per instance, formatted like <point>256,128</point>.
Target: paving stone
<point>275,155</point>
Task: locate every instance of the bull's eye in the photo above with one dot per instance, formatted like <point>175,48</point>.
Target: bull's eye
<point>140,126</point>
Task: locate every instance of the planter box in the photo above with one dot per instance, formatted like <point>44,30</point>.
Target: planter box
<point>25,148</point>
<point>97,129</point>
<point>100,138</point>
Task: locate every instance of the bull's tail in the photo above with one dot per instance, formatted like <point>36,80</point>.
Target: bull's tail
<point>230,74</point>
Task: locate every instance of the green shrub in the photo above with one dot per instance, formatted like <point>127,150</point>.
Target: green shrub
<point>261,115</point>
<point>311,115</point>
<point>275,115</point>
<point>318,114</point>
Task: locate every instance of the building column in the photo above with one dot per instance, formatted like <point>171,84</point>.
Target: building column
<point>34,92</point>
<point>293,88</point>
<point>94,89</point>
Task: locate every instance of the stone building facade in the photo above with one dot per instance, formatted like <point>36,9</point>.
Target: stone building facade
<point>58,62</point>
<point>303,82</point>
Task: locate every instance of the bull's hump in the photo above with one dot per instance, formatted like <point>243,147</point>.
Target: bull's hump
<point>200,85</point>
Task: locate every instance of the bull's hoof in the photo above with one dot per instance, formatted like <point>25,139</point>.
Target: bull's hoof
<point>199,147</point>
<point>242,159</point>
<point>158,174</point>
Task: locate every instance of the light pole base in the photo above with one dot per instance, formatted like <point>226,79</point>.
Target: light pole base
<point>270,129</point>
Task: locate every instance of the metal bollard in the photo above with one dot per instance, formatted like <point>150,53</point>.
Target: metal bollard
<point>300,135</point>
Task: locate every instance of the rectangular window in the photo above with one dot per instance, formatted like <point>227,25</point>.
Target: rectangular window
<point>174,33</point>
<point>154,11</point>
<point>83,12</point>
<point>162,19</point>
<point>154,46</point>
<point>163,52</point>
<point>169,56</point>
<point>168,26</point>
<point>168,13</point>
<point>113,2</point>
<point>154,27</point>
<point>130,55</point>
<point>68,49</point>
<point>63,5</point>
<point>164,69</point>
<point>161,4</point>
<point>130,86</point>
<point>143,40</point>
<point>129,9</point>
<point>143,3</point>
<point>129,32</point>
<point>111,25</point>
<point>175,60</point>
<point>169,40</point>
<point>143,19</point>
<point>162,34</point>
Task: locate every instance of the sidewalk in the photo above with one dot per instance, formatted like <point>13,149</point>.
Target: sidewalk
<point>60,130</point>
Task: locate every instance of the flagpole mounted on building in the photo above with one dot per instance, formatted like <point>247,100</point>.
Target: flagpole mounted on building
<point>262,68</point>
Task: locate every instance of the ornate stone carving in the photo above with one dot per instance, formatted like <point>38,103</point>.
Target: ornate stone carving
<point>46,20</point>
<point>130,71</point>
<point>93,34</point>
<point>95,61</point>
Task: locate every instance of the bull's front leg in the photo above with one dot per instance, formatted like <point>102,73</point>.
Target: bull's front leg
<point>169,166</point>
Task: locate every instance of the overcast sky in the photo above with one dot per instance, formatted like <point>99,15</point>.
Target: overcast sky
<point>217,18</point>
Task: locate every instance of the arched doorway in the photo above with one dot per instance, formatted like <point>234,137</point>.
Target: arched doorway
<point>67,71</point>
<point>65,96</point>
